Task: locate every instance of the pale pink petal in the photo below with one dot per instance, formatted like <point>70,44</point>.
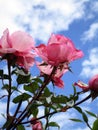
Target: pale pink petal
<point>26,61</point>
<point>58,82</point>
<point>42,52</point>
<point>46,69</point>
<point>22,41</point>
<point>4,41</point>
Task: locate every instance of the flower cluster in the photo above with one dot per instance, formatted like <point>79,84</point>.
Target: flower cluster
<point>19,47</point>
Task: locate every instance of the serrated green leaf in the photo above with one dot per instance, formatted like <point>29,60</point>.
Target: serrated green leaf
<point>53,124</point>
<point>76,120</point>
<point>22,97</point>
<point>20,127</point>
<point>95,125</point>
<point>91,114</point>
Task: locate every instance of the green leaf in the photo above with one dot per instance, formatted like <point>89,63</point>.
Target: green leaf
<point>38,80</point>
<point>59,99</point>
<point>33,109</point>
<point>23,79</point>
<point>74,89</point>
<point>70,103</point>
<point>84,117</point>
<point>22,97</point>
<point>32,87</point>
<point>78,109</point>
<point>20,127</point>
<point>95,125</point>
<point>5,76</point>
<point>47,93</point>
<point>53,124</point>
<point>6,87</point>
<point>7,123</point>
<point>76,120</point>
<point>91,114</point>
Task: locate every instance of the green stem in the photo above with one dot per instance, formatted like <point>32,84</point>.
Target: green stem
<point>9,90</point>
<point>88,97</point>
<point>14,116</point>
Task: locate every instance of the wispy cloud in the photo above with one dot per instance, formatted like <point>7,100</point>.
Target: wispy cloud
<point>40,17</point>
<point>8,11</point>
<point>94,5</point>
<point>90,65</point>
<point>43,18</point>
<point>91,33</point>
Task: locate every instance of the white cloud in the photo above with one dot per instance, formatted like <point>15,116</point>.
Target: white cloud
<point>90,65</point>
<point>63,119</point>
<point>45,18</point>
<point>8,11</point>
<point>91,33</point>
<point>41,17</point>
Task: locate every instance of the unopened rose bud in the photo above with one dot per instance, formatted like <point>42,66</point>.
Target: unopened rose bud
<point>93,83</point>
<point>36,124</point>
<point>82,85</point>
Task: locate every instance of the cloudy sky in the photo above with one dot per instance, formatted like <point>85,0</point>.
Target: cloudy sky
<point>76,19</point>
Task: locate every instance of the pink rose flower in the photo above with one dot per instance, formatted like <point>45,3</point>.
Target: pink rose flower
<point>93,83</point>
<point>20,44</point>
<point>56,78</point>
<point>59,49</point>
<point>36,125</point>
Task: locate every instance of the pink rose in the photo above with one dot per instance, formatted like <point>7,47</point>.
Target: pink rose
<point>56,78</point>
<point>36,125</point>
<point>59,49</point>
<point>93,83</point>
<point>20,44</point>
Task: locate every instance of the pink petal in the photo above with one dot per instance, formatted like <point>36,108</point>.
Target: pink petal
<point>21,41</point>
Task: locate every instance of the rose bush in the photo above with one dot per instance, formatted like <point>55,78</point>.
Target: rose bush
<point>20,52</point>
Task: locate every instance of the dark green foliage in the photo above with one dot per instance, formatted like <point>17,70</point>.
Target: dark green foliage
<point>22,97</point>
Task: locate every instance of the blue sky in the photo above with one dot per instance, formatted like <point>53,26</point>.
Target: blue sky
<point>75,19</point>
